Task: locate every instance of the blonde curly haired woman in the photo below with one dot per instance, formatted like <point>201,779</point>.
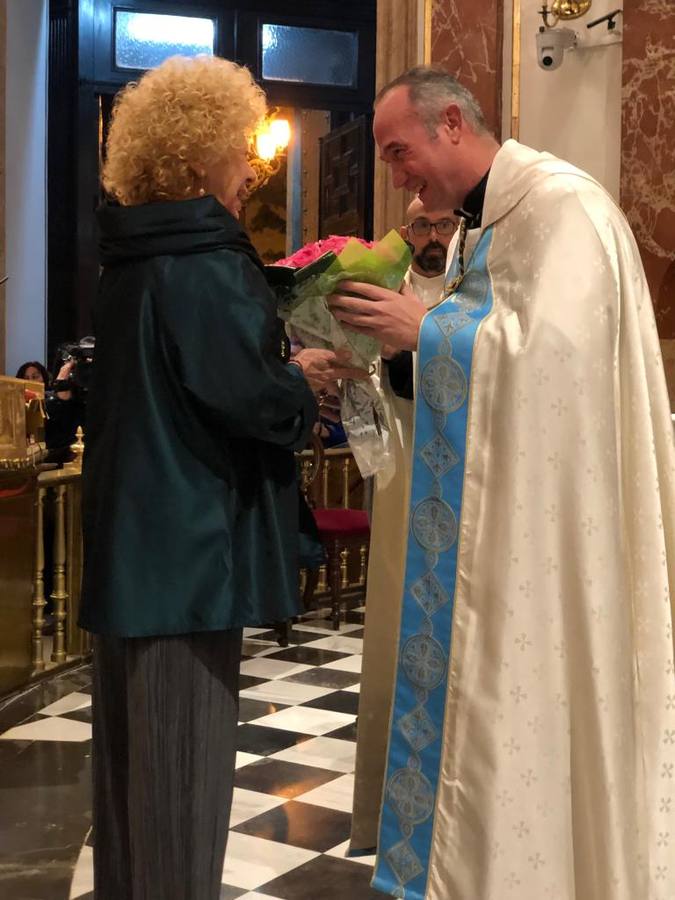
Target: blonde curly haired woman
<point>190,500</point>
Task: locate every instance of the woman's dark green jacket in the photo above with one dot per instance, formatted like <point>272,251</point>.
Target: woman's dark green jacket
<point>190,501</point>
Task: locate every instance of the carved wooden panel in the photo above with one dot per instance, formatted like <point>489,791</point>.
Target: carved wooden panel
<point>344,161</point>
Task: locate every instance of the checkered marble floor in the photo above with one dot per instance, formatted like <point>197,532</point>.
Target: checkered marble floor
<point>291,813</point>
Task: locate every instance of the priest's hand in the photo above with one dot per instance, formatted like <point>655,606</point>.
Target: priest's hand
<point>393,319</point>
<point>323,368</point>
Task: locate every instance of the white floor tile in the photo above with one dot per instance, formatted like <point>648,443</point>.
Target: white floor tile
<point>247,804</point>
<point>245,759</point>
<point>51,728</point>
<point>306,720</point>
<point>251,632</point>
<point>339,644</point>
<point>254,895</point>
<point>345,628</point>
<point>69,703</point>
<point>83,876</point>
<point>353,689</point>
<point>336,794</point>
<point>341,852</point>
<point>251,861</point>
<point>323,753</point>
<point>271,668</point>
<point>287,692</point>
<point>346,664</point>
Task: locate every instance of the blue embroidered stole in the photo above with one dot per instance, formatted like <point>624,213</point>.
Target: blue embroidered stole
<point>416,738</point>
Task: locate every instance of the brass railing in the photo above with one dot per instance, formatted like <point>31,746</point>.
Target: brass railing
<point>60,493</point>
<point>338,484</point>
<point>42,562</point>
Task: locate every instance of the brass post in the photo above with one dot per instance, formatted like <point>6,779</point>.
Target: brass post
<point>303,581</point>
<point>59,594</point>
<point>345,483</point>
<point>326,464</point>
<point>39,601</point>
<point>344,577</point>
<point>322,586</point>
<point>363,551</point>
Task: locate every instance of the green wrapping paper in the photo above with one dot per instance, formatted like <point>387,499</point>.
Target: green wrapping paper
<point>305,309</point>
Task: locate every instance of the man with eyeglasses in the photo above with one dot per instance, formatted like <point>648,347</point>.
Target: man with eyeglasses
<point>429,236</point>
<point>531,745</point>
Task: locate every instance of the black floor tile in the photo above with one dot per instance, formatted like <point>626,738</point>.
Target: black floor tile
<point>269,637</point>
<point>21,707</point>
<point>263,741</point>
<point>283,779</point>
<point>252,646</point>
<point>338,701</point>
<point>358,633</point>
<point>80,715</point>
<point>355,618</point>
<point>305,637</point>
<point>346,733</point>
<point>45,814</point>
<point>256,709</point>
<point>227,892</point>
<point>247,681</point>
<point>325,877</point>
<point>328,678</point>
<point>310,656</point>
<point>300,825</point>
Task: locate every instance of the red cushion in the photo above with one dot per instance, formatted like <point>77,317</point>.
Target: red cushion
<point>345,522</point>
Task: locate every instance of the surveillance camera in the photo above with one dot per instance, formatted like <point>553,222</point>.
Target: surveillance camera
<point>551,46</point>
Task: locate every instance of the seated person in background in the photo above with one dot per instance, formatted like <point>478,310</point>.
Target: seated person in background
<point>34,371</point>
<point>66,411</point>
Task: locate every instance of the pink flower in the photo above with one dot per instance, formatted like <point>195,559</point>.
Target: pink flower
<point>307,254</point>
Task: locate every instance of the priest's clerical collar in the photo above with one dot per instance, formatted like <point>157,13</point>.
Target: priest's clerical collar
<point>472,208</point>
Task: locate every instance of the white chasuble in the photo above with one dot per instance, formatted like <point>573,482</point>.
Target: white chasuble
<point>386,567</point>
<point>531,750</point>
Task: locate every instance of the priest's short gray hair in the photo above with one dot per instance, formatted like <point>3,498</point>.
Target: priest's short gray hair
<point>431,90</point>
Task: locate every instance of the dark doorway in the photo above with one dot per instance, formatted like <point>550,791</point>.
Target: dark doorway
<point>322,58</point>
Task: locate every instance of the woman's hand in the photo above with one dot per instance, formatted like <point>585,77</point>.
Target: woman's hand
<point>394,319</point>
<point>323,368</point>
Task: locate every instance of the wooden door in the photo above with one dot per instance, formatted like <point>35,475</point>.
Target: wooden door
<point>344,207</point>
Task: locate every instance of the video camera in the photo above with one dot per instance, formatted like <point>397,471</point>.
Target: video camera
<point>82,354</point>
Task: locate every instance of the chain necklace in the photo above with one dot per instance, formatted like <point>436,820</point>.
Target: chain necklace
<point>452,285</point>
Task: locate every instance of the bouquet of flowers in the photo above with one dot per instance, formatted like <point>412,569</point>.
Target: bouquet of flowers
<point>315,272</point>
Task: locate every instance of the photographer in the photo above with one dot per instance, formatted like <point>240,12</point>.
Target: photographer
<point>66,402</point>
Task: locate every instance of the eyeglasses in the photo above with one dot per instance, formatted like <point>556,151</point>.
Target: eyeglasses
<point>422,227</point>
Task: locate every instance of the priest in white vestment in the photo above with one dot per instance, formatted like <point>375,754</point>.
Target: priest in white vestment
<point>531,749</point>
<point>429,237</point>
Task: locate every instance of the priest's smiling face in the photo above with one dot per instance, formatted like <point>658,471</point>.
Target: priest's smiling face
<point>437,166</point>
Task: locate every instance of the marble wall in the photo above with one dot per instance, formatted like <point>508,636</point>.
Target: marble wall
<point>466,38</point>
<point>648,154</point>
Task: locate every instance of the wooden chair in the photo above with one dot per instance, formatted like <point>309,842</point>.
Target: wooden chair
<point>344,532</point>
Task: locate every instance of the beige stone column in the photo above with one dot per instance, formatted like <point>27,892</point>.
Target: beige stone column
<point>3,259</point>
<point>400,45</point>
